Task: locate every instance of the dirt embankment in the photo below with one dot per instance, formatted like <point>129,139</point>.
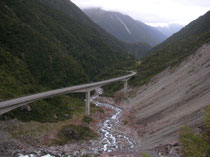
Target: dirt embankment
<point>175,97</point>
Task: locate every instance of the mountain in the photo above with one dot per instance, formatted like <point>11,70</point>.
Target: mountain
<point>175,80</point>
<point>136,49</point>
<point>174,98</point>
<point>125,28</point>
<point>49,44</point>
<point>175,49</point>
<point>139,50</point>
<point>170,29</point>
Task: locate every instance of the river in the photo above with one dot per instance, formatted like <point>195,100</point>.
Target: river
<point>111,138</point>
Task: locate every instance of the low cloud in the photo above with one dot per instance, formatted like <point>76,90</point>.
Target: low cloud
<point>153,11</point>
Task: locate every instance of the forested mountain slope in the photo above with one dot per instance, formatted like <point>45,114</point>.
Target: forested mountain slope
<point>49,44</point>
<point>137,49</point>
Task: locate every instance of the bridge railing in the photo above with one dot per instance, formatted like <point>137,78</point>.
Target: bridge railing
<point>9,105</point>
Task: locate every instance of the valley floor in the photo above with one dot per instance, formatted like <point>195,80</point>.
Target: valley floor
<point>39,138</point>
<point>152,114</point>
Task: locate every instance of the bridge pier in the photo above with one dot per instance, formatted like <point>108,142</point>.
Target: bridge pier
<point>125,86</point>
<point>87,103</point>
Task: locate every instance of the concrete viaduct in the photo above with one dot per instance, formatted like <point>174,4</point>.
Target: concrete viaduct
<point>9,105</point>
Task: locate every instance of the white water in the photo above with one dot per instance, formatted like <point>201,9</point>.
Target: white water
<point>111,140</point>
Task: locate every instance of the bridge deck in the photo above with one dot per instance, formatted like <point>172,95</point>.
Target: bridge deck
<point>9,105</point>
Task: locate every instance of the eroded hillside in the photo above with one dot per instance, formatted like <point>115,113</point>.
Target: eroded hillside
<point>175,97</point>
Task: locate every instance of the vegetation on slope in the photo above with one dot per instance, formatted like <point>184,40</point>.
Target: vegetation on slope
<point>196,144</point>
<point>136,49</point>
<point>175,49</point>
<point>49,110</point>
<point>48,44</point>
<point>14,77</point>
<point>139,50</point>
<point>72,133</point>
<point>53,44</point>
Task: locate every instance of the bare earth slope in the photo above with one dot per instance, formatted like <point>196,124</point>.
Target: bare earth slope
<point>173,98</point>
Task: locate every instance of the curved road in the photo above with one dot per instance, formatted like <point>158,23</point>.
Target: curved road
<point>9,105</point>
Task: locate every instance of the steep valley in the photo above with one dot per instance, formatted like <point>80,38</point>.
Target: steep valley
<point>52,44</point>
<point>151,117</point>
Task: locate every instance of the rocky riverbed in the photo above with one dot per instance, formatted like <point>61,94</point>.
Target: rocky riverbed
<point>111,139</point>
<point>115,137</point>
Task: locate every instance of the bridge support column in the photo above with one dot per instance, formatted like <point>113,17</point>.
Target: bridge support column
<point>87,103</point>
<point>125,86</point>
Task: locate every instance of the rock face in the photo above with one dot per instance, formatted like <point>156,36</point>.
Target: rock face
<point>175,97</point>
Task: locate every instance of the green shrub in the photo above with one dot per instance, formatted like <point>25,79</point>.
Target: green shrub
<point>87,119</point>
<point>71,133</point>
<point>196,145</point>
<point>145,155</point>
<point>207,119</point>
<point>193,144</point>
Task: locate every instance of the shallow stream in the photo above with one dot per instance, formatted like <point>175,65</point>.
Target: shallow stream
<point>111,138</point>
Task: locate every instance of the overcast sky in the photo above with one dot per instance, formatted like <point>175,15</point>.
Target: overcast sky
<point>154,12</point>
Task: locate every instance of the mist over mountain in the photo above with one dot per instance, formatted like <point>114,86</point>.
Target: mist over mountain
<point>125,28</point>
<point>170,29</point>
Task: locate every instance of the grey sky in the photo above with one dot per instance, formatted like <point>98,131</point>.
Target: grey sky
<point>154,12</point>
